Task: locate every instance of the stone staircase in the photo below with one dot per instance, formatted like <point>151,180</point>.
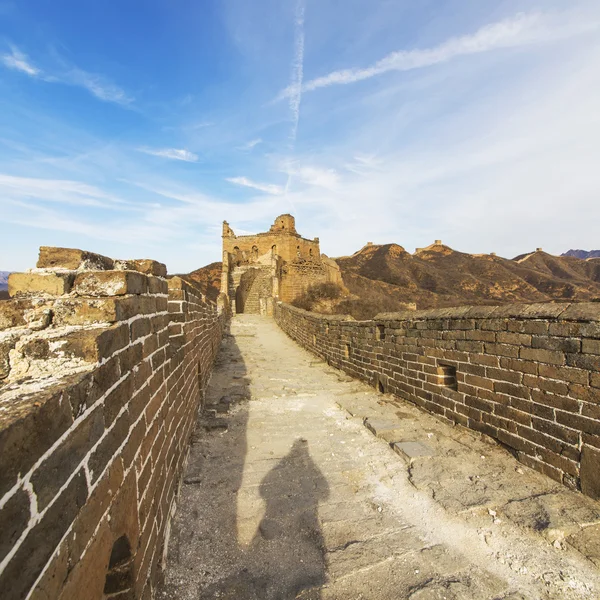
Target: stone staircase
<point>259,288</point>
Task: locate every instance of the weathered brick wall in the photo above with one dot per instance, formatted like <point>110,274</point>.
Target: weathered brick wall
<point>526,375</point>
<point>102,369</point>
<point>299,277</point>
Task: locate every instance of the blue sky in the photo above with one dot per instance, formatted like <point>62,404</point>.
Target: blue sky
<point>134,128</point>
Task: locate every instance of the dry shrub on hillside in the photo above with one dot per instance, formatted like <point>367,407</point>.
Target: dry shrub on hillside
<point>316,293</point>
<point>362,309</point>
<point>330,298</point>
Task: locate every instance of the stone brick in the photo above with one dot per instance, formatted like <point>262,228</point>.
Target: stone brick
<point>14,517</point>
<point>85,311</point>
<point>509,412</point>
<point>511,389</point>
<point>523,366</point>
<point>591,426</point>
<point>591,411</point>
<point>157,285</point>
<point>517,339</point>
<point>147,266</point>
<point>93,345</point>
<point>584,392</point>
<point>71,258</point>
<point>118,398</point>
<point>506,350</point>
<point>539,310</point>
<point>53,578</point>
<point>568,374</point>
<point>481,382</point>
<point>140,328</point>
<point>33,554</point>
<point>107,448</point>
<point>551,357</point>
<point>39,284</point>
<point>561,344</point>
<point>542,411</point>
<point>28,430</point>
<point>50,476</point>
<point>110,283</point>
<point>560,461</point>
<point>7,343</point>
<point>570,436</point>
<point>582,311</point>
<point>130,357</point>
<point>590,346</point>
<point>93,386</point>
<point>91,514</point>
<point>555,401</point>
<point>485,359</point>
<point>89,573</point>
<point>590,362</point>
<point>504,375</point>
<point>12,312</point>
<point>547,385</point>
<point>134,442</point>
<point>590,468</point>
<point>530,327</point>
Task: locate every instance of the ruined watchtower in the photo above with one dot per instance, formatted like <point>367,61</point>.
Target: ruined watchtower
<point>278,263</point>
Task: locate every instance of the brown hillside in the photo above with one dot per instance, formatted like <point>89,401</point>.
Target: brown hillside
<point>439,276</point>
<point>208,279</point>
<point>384,278</point>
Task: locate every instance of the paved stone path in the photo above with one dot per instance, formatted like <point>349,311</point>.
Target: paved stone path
<point>288,495</point>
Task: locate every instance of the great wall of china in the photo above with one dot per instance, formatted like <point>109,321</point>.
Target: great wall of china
<point>103,366</point>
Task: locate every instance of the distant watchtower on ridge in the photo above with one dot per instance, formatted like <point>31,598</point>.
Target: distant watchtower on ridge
<point>279,263</point>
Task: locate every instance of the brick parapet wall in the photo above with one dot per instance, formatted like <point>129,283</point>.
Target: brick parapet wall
<point>526,375</point>
<point>101,379</point>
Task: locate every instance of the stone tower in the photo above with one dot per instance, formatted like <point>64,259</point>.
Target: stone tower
<point>279,263</point>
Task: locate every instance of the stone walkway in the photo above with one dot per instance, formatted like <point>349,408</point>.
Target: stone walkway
<point>288,495</point>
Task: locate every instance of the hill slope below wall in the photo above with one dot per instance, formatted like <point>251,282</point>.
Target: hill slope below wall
<point>386,277</point>
<point>207,279</point>
<point>439,276</point>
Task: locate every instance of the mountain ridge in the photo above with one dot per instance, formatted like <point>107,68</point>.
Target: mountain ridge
<point>385,277</point>
<point>4,280</point>
<point>583,254</point>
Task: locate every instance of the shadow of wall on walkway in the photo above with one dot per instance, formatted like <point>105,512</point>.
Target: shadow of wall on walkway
<point>286,557</point>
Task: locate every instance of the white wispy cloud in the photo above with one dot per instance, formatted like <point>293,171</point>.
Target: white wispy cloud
<point>251,144</point>
<point>269,188</point>
<point>98,85</point>
<point>19,61</point>
<point>520,30</point>
<point>131,231</point>
<point>364,164</point>
<point>311,175</point>
<point>172,153</point>
<point>56,190</point>
<point>297,79</point>
<point>295,87</point>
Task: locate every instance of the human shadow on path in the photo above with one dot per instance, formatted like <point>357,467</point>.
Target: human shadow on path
<point>286,558</point>
<point>207,559</point>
